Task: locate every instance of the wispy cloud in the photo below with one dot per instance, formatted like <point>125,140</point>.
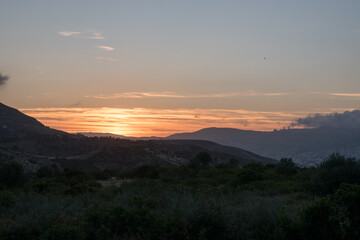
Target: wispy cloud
<point>96,35</point>
<point>106,48</point>
<point>176,95</point>
<point>346,94</point>
<point>107,59</point>
<point>90,34</point>
<point>254,93</point>
<point>356,30</point>
<point>336,94</point>
<point>68,33</point>
<point>3,80</point>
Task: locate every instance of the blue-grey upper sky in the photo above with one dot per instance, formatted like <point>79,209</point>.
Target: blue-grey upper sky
<point>252,55</point>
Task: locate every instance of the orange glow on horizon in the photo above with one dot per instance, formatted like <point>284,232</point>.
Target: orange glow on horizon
<point>140,122</point>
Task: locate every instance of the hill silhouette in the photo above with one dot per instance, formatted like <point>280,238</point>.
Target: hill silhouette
<point>25,140</point>
<point>12,121</point>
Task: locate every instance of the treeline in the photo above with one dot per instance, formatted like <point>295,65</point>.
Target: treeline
<point>197,201</point>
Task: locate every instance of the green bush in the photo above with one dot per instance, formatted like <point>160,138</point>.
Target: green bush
<point>336,169</point>
<point>336,216</point>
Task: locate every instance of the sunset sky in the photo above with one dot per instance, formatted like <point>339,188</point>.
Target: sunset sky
<point>153,68</point>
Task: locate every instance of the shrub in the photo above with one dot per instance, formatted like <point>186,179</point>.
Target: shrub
<point>286,167</point>
<point>234,162</point>
<point>204,158</point>
<point>12,175</point>
<point>336,216</point>
<point>6,199</point>
<point>63,232</point>
<point>336,169</point>
<point>208,223</point>
<point>145,171</point>
<point>201,160</point>
<point>46,171</point>
<point>249,173</point>
<point>118,221</point>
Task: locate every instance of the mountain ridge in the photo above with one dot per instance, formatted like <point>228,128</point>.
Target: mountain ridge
<point>13,121</point>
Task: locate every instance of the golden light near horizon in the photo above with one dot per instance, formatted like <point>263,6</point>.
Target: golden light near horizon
<point>140,122</point>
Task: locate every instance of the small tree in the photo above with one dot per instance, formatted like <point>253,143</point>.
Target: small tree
<point>204,158</point>
<point>201,160</point>
<point>286,167</point>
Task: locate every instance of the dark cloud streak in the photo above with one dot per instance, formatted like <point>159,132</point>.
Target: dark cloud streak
<point>348,119</point>
<point>3,80</point>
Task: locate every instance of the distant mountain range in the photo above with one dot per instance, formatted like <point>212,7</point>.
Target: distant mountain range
<point>29,142</point>
<point>305,146</point>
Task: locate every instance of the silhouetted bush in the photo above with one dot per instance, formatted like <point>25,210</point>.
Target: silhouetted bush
<point>336,216</point>
<point>63,232</point>
<point>46,171</point>
<point>336,169</point>
<point>6,199</point>
<point>132,223</point>
<point>202,159</point>
<point>145,171</point>
<point>222,202</point>
<point>12,175</point>
<point>234,162</point>
<point>72,172</point>
<point>249,173</point>
<point>105,174</point>
<point>286,167</point>
<point>208,224</point>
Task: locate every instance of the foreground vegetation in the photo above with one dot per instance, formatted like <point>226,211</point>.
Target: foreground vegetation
<point>188,202</point>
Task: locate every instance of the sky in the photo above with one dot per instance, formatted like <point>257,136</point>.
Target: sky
<point>153,68</point>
